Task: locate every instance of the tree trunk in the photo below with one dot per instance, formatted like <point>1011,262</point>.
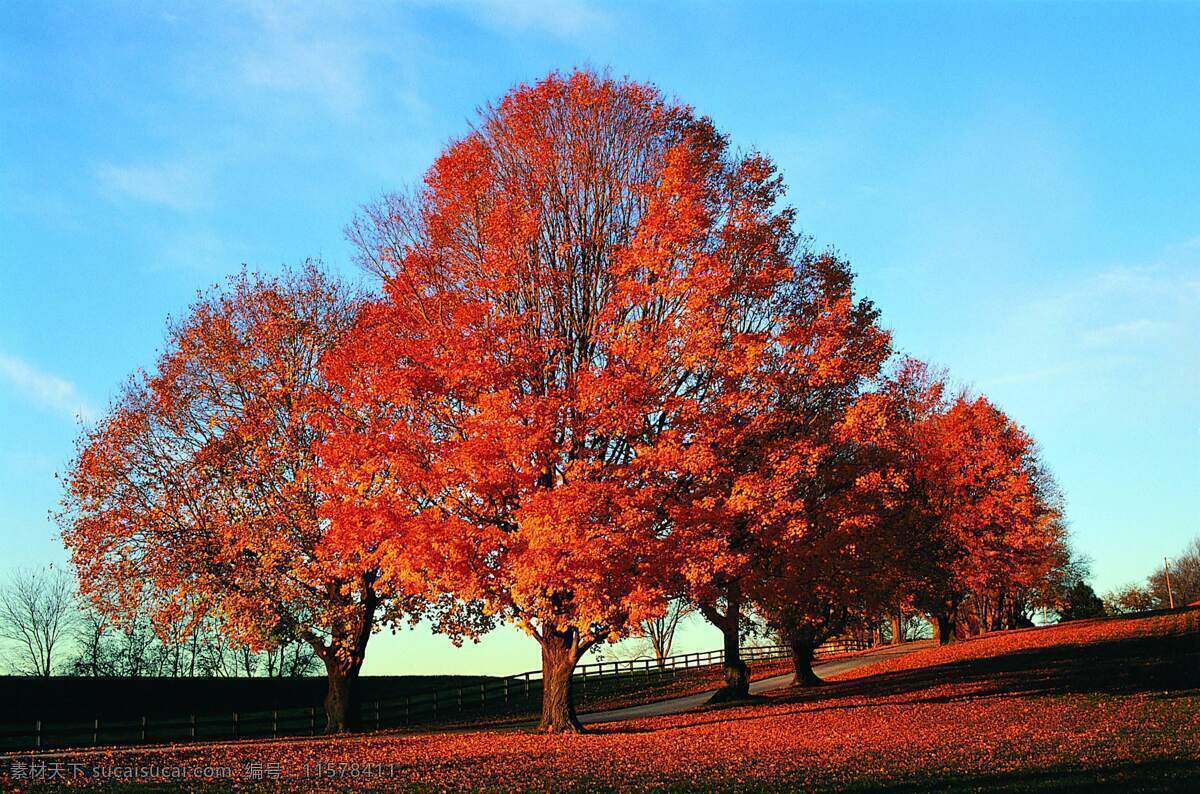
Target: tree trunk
<point>341,698</point>
<point>802,658</point>
<point>736,674</point>
<point>944,625</point>
<point>560,653</point>
<point>897,622</point>
<point>343,656</point>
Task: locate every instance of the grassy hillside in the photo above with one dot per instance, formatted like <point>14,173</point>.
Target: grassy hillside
<point>1110,704</point>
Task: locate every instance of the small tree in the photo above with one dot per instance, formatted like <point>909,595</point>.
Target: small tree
<point>1129,599</point>
<point>37,613</point>
<point>203,495</point>
<point>659,631</point>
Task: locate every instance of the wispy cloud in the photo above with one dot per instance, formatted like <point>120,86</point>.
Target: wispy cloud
<point>179,185</point>
<point>297,50</point>
<point>1122,322</point>
<point>44,389</point>
<point>1131,331</point>
<point>564,19</point>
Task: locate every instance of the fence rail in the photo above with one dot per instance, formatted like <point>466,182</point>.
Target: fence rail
<point>496,696</point>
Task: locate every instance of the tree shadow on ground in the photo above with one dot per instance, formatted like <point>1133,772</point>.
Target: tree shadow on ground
<point>1165,664</point>
<point>1169,664</point>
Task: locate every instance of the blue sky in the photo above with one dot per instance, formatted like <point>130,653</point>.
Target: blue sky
<point>1015,184</point>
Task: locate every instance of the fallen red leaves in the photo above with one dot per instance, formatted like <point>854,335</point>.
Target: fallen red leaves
<point>884,728</point>
<point>1073,634</point>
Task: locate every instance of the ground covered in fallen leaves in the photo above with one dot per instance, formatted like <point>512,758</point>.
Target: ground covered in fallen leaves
<point>1091,705</point>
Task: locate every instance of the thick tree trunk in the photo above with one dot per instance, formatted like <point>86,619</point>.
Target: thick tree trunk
<point>341,698</point>
<point>343,655</point>
<point>802,659</point>
<point>560,653</point>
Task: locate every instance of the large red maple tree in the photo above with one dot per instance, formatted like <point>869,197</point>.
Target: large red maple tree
<point>559,298</point>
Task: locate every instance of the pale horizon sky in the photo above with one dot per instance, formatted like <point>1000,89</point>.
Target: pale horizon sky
<point>1016,185</point>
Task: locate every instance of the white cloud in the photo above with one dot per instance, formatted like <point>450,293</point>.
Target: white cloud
<point>284,61</point>
<point>180,185</point>
<point>46,390</point>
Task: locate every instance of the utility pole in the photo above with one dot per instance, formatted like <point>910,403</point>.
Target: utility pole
<point>1167,572</point>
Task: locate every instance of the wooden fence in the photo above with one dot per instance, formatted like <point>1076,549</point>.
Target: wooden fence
<point>510,695</point>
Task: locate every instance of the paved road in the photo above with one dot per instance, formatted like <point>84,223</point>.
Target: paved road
<point>688,702</point>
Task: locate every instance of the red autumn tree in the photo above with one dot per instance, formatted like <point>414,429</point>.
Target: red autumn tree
<point>831,559</point>
<point>203,493</point>
<point>769,454</point>
<point>979,514</point>
<point>558,296</point>
<point>998,530</point>
<point>889,426</point>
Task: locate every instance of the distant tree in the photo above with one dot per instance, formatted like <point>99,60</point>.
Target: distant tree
<point>37,613</point>
<point>1185,578</point>
<point>659,631</point>
<point>1080,601</point>
<point>93,653</point>
<point>977,512</point>
<point>1128,599</point>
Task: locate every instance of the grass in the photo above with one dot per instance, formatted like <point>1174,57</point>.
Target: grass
<point>1096,705</point>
